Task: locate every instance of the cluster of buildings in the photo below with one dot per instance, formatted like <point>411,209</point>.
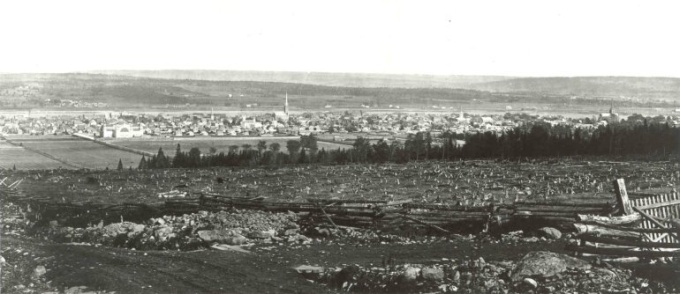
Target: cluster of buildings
<point>129,125</point>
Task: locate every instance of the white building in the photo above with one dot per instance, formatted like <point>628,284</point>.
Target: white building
<point>127,131</point>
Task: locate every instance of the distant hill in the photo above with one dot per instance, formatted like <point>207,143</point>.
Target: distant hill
<point>317,78</point>
<point>614,87</point>
<point>128,91</point>
<point>264,90</point>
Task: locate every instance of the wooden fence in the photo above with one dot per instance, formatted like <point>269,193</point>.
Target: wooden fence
<point>663,207</point>
<point>645,227</point>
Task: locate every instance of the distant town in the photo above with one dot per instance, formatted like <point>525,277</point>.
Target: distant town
<point>103,124</point>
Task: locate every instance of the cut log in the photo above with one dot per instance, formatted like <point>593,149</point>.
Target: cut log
<point>558,208</point>
<point>621,252</point>
<point>622,260</point>
<point>394,203</point>
<point>606,220</point>
<point>427,224</point>
<point>634,229</point>
<point>635,243</point>
<point>623,204</point>
<point>599,230</point>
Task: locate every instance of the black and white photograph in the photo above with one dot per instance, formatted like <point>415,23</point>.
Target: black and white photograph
<point>374,146</point>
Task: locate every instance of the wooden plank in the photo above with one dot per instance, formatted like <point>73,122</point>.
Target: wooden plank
<point>622,196</point>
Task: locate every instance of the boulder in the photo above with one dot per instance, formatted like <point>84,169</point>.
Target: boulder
<point>410,273</point>
<point>546,264</point>
<point>432,273</point>
<point>455,277</point>
<point>530,282</point>
<point>214,235</point>
<point>162,233</point>
<point>115,229</point>
<point>236,240</point>
<point>310,272</point>
<point>77,290</point>
<point>39,271</point>
<point>262,234</point>
<point>550,233</point>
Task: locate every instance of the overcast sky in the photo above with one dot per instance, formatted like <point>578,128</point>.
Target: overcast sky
<point>519,38</point>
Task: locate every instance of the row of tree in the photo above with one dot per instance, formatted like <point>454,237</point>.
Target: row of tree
<point>532,141</point>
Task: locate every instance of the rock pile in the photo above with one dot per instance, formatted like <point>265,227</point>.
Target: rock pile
<point>537,272</point>
<point>189,231</point>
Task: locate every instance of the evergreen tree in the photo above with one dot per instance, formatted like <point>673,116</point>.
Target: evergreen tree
<point>179,160</point>
<point>161,160</point>
<point>142,163</point>
<point>261,146</point>
<point>194,159</point>
<point>120,164</point>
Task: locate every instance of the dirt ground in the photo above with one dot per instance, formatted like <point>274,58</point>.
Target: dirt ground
<point>127,271</point>
<point>267,269</point>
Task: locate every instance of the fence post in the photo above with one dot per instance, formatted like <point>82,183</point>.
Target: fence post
<point>623,204</point>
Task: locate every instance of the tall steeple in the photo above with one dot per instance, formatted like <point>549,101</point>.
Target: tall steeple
<point>461,113</point>
<point>285,106</point>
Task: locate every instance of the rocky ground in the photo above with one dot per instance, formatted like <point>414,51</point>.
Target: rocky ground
<point>259,252</point>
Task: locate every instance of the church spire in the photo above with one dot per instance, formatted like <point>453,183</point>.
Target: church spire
<point>285,106</point>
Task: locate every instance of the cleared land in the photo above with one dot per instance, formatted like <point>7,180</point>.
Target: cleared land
<point>11,156</point>
<point>80,153</point>
<point>471,183</point>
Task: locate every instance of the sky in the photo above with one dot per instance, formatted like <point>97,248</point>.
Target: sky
<point>512,38</point>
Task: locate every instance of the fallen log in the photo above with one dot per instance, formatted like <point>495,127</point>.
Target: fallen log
<point>394,203</point>
<point>633,229</point>
<point>614,241</point>
<point>599,230</point>
<point>556,208</point>
<point>427,224</point>
<point>609,220</point>
<point>571,215</point>
<point>566,204</point>
<point>621,252</point>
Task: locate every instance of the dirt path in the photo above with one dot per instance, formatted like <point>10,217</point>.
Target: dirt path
<point>127,271</point>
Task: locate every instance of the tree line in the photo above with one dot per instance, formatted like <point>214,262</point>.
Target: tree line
<point>530,141</point>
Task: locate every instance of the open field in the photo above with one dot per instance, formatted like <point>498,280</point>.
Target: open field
<point>11,156</point>
<point>204,144</point>
<point>50,152</point>
<point>79,153</point>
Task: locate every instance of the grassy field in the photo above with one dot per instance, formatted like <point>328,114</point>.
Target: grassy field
<point>11,156</point>
<point>81,153</point>
<point>72,153</point>
<point>220,144</point>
